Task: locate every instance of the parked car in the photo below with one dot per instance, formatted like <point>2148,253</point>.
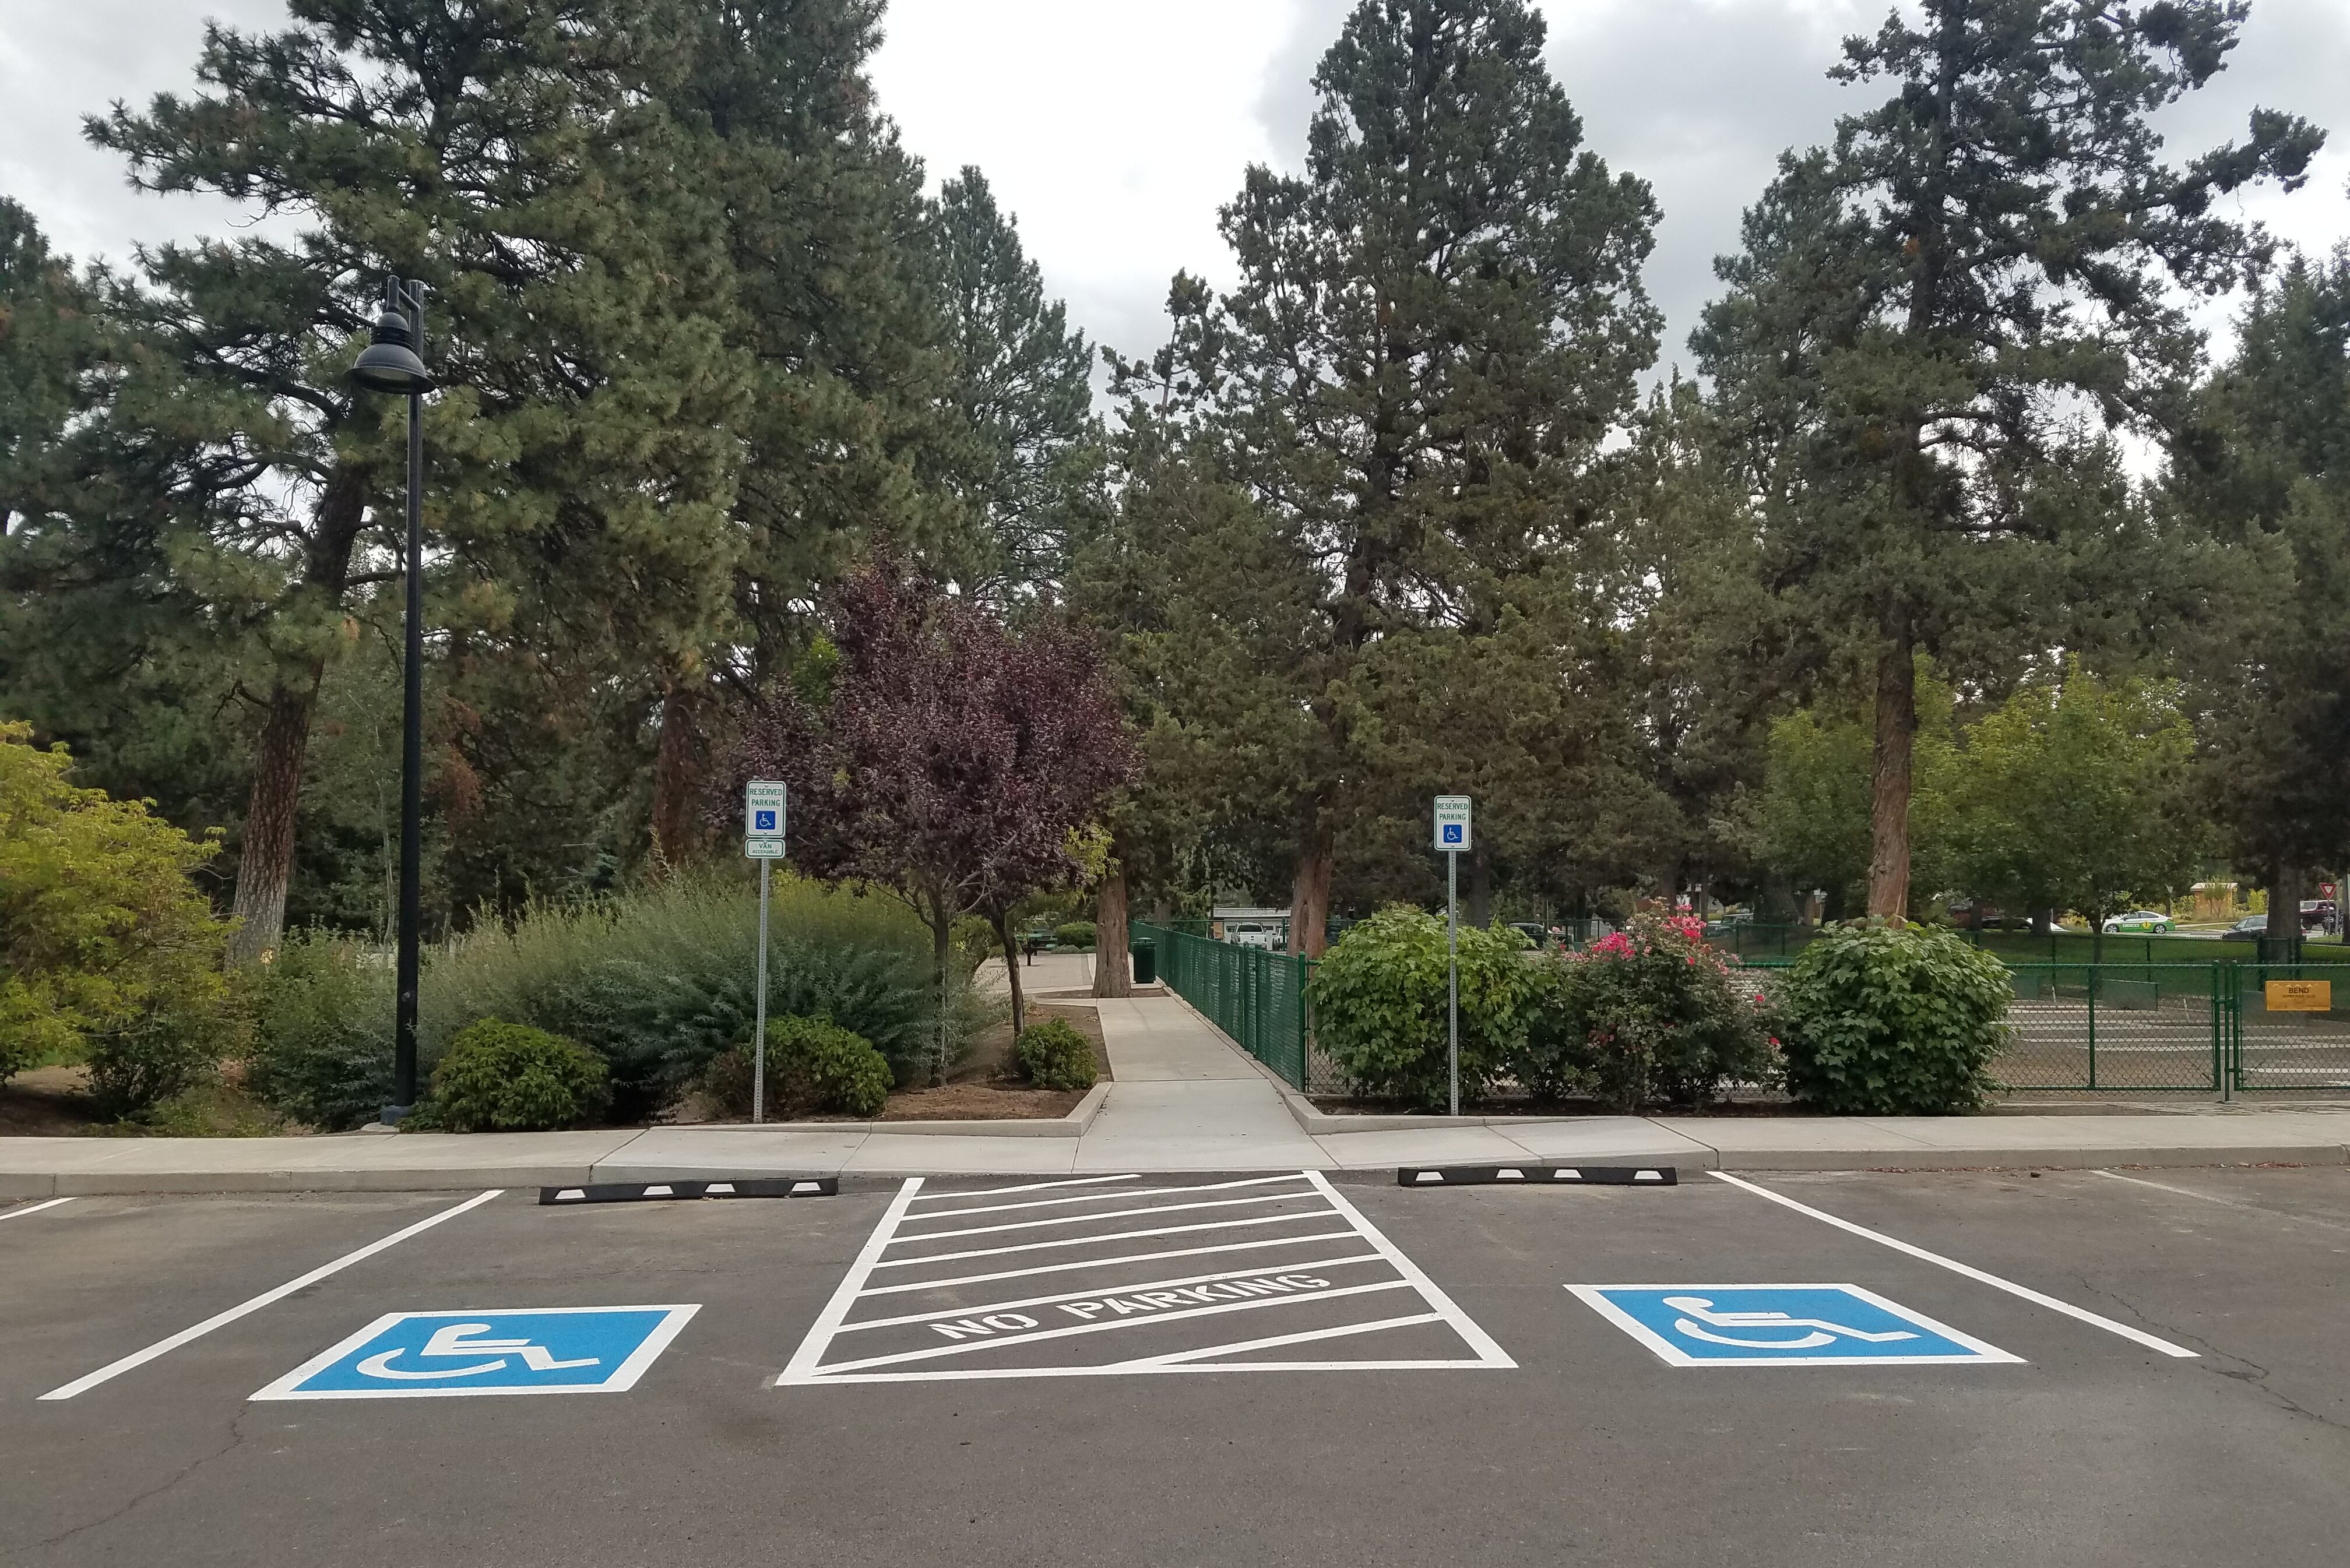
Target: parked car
<point>2140,922</point>
<point>2251,928</point>
<point>1538,935</point>
<point>1254,934</point>
<point>2320,915</point>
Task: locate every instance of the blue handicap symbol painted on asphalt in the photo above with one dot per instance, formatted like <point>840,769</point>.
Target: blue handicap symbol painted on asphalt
<point>1782,1325</point>
<point>556,1350</point>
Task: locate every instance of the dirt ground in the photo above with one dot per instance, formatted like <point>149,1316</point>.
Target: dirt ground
<point>988,1085</point>
<point>46,1102</point>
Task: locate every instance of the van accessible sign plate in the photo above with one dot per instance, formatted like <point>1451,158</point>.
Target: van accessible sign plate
<point>1453,823</point>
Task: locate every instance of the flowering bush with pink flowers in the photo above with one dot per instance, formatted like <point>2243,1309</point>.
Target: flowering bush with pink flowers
<point>1649,1016</point>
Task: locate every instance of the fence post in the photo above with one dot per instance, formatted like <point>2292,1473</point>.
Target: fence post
<point>2097,982</point>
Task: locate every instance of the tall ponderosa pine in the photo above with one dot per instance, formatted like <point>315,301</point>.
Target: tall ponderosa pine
<point>1402,403</point>
<point>1929,314</point>
<point>1023,384</point>
<point>512,156</point>
<point>2265,473</point>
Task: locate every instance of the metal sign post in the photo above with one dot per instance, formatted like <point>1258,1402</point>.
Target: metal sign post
<point>764,802</point>
<point>1453,839</point>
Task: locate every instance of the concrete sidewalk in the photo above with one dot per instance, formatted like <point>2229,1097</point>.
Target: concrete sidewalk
<point>1183,1099</point>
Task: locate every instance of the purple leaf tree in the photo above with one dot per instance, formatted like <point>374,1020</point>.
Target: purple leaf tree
<point>949,761</point>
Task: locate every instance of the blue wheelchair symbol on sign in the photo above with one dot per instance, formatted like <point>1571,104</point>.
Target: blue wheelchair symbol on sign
<point>1451,833</point>
<point>555,1350</point>
<point>763,820</point>
<point>1783,1326</point>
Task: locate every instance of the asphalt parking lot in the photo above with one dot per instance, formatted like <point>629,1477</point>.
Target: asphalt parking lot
<point>1266,1370</point>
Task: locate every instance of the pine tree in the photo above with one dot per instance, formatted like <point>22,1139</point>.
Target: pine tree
<point>1023,384</point>
<point>1434,331</point>
<point>2264,473</point>
<point>512,156</point>
<point>1932,316</point>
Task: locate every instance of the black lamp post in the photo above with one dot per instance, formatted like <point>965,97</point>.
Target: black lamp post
<point>392,362</point>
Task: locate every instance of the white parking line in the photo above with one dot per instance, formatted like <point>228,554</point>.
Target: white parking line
<point>32,1208</point>
<point>1107,1262</point>
<point>1088,1219</point>
<point>1089,1241</point>
<point>165,1346</point>
<point>1024,1187</point>
<point>1292,1266</point>
<point>2136,1334</point>
<point>1087,1197</point>
<point>935,1351</point>
<point>1303,1268</point>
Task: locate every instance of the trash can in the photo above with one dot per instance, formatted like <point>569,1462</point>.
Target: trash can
<point>1146,960</point>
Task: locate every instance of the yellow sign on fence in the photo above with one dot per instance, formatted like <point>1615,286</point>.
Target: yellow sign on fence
<point>2299,996</point>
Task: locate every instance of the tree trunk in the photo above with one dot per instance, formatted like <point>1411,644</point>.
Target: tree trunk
<point>677,776</point>
<point>942,951</point>
<point>1896,733</point>
<point>1012,970</point>
<point>1309,895</point>
<point>1112,968</point>
<point>265,866</point>
<point>2284,943</point>
<point>1481,890</point>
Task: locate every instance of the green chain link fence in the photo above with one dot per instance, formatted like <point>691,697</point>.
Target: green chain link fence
<point>2208,1027</point>
<point>1256,997</point>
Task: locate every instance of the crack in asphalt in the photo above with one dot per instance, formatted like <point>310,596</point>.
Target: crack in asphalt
<point>236,1439</point>
<point>2222,1363</point>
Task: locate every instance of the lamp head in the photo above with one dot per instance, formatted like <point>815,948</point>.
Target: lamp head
<point>388,362</point>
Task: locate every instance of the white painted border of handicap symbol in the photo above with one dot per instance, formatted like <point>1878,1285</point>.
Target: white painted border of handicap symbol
<point>1980,1353</point>
<point>621,1380</point>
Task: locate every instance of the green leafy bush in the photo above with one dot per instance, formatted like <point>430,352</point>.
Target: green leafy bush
<point>1074,934</point>
<point>1378,999</point>
<point>814,1067</point>
<point>510,1077</point>
<point>1881,1019</point>
<point>321,1043</point>
<point>1054,1056</point>
<point>108,949</point>
<point>1646,1017</point>
<point>660,981</point>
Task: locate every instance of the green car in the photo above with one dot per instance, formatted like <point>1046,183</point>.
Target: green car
<point>2139,923</point>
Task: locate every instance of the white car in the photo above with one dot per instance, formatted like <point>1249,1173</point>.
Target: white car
<point>2140,922</point>
<point>1254,934</point>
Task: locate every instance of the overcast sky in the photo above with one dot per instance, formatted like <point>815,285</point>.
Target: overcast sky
<point>1114,128</point>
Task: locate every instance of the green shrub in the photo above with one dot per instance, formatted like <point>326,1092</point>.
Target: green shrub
<point>659,982</point>
<point>1054,1056</point>
<point>1880,1019</point>
<point>108,950</point>
<point>813,1068</point>
<point>321,1042</point>
<point>1646,1017</point>
<point>1378,999</point>
<point>510,1077</point>
<point>161,1056</point>
<point>1074,934</point>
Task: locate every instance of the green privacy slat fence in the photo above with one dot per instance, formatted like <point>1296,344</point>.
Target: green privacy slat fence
<point>1749,941</point>
<point>1255,996</point>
